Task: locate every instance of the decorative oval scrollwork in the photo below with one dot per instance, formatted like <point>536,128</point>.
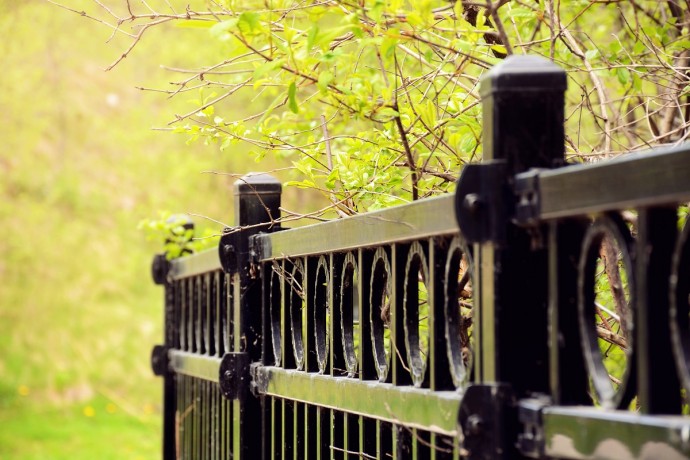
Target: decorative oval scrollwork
<point>322,315</point>
<point>679,312</point>
<point>380,312</point>
<point>275,309</point>
<point>349,313</point>
<point>416,312</point>
<point>297,310</point>
<point>196,315</point>
<point>213,315</point>
<point>457,288</point>
<point>606,264</point>
<point>224,308</point>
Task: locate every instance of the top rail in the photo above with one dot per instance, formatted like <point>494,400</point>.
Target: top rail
<point>403,223</point>
<point>194,264</point>
<point>657,177</point>
<point>407,222</point>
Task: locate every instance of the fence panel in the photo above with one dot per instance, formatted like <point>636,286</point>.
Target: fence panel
<point>541,311</point>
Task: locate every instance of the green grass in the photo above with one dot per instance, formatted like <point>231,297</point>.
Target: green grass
<point>80,167</point>
<point>96,428</point>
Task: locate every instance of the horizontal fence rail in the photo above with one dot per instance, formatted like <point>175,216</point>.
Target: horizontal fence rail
<point>541,311</point>
<point>402,223</point>
<point>653,178</point>
<point>196,264</point>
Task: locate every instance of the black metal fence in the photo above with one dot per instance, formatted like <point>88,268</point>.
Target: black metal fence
<point>468,325</point>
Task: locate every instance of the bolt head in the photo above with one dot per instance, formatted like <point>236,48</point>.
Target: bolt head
<point>472,202</point>
<point>474,425</point>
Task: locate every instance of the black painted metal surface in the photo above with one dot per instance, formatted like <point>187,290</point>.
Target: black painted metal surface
<point>392,335</point>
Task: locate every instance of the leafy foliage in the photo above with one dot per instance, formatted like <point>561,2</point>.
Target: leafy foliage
<point>376,102</point>
<point>177,233</point>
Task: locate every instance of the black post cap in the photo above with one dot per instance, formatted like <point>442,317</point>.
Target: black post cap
<point>523,73</point>
<point>181,219</point>
<point>253,183</point>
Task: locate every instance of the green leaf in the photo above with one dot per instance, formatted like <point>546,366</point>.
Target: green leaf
<point>388,46</point>
<point>221,29</point>
<point>332,178</point>
<point>249,22</point>
<point>623,75</point>
<point>329,56</point>
<point>292,98</point>
<point>324,39</point>
<point>267,67</point>
<point>481,21</point>
<point>468,143</point>
<point>376,12</point>
<point>208,111</point>
<point>520,13</point>
<point>414,19</point>
<point>499,49</point>
<point>591,54</point>
<point>312,36</point>
<point>462,45</point>
<point>639,47</point>
<point>637,82</point>
<point>325,79</point>
<point>301,184</point>
<point>387,113</point>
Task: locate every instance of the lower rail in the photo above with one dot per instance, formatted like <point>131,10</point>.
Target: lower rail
<point>434,411</point>
<point>193,365</point>
<point>587,432</point>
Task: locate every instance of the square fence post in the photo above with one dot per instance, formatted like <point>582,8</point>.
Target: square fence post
<point>523,102</point>
<point>257,208</point>
<point>159,355</point>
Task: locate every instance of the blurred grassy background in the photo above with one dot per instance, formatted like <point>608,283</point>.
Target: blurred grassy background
<point>80,167</point>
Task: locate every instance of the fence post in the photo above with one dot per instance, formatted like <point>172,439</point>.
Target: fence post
<point>523,102</point>
<point>159,355</point>
<point>257,207</point>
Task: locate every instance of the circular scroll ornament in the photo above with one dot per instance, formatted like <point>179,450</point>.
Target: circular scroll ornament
<point>605,393</point>
<point>275,308</point>
<point>416,265</point>
<point>349,289</point>
<point>380,312</point>
<point>297,304</point>
<point>321,313</point>
<point>679,312</point>
<point>458,352</point>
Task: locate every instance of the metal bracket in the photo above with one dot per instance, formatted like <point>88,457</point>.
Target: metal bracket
<point>159,269</point>
<point>259,383</point>
<point>527,192</point>
<point>233,376</point>
<point>486,422</point>
<point>480,202</point>
<point>228,249</point>
<point>259,246</point>
<point>159,360</point>
<point>531,441</point>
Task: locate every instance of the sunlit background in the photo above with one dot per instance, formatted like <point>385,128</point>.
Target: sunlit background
<point>80,166</point>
